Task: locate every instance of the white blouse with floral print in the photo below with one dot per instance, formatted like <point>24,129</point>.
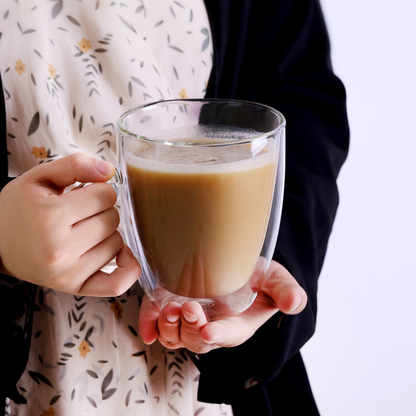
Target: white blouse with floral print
<point>69,69</point>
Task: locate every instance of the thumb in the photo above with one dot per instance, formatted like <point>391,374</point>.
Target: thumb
<point>78,167</point>
<point>230,332</point>
<point>283,290</point>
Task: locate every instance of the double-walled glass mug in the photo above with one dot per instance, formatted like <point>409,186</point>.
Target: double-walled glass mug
<point>201,189</point>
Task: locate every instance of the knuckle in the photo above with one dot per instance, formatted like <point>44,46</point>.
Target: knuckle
<point>77,160</point>
<point>52,259</point>
<point>104,193</point>
<point>117,289</point>
<point>51,264</point>
<point>120,285</point>
<point>55,215</point>
<point>136,270</point>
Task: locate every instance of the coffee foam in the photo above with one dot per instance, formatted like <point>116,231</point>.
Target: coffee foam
<point>215,132</point>
<point>199,158</point>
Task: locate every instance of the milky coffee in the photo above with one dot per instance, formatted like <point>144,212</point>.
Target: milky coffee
<point>202,213</point>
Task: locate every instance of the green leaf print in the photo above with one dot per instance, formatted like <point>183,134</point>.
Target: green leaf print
<point>40,378</point>
<point>34,124</point>
<point>127,24</point>
<point>57,8</point>
<point>128,398</point>
<point>54,399</point>
<point>73,20</point>
<point>92,401</point>
<point>93,374</point>
<point>108,393</point>
<point>106,382</point>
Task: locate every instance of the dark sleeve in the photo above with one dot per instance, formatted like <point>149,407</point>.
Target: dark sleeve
<point>3,142</point>
<point>277,53</point>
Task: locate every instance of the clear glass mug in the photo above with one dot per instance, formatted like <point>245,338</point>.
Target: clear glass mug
<point>201,190</point>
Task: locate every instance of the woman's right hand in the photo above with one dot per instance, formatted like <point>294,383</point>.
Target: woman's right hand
<point>61,240</point>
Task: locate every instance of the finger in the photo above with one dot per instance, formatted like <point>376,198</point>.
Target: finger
<point>90,232</point>
<point>229,332</point>
<point>101,254</point>
<point>78,167</point>
<point>117,282</point>
<point>286,293</point>
<point>291,300</point>
<point>148,321</point>
<point>88,201</point>
<point>169,326</point>
<point>280,292</point>
<point>193,319</point>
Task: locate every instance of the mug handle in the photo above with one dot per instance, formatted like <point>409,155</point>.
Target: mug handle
<point>116,180</point>
<point>128,232</point>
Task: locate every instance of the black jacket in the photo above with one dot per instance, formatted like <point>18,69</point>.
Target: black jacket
<point>276,53</point>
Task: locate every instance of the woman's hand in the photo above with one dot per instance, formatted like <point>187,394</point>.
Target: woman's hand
<point>61,240</point>
<point>187,326</point>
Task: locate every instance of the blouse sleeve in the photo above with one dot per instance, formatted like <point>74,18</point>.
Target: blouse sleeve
<point>277,53</point>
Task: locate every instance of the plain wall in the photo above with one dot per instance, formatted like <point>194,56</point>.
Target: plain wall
<point>362,358</point>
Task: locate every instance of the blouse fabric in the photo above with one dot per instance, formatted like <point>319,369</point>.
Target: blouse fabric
<point>69,69</point>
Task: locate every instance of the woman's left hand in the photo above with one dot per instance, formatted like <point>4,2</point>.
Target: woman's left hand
<point>186,326</point>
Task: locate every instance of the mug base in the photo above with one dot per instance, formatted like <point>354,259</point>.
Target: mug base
<point>231,304</point>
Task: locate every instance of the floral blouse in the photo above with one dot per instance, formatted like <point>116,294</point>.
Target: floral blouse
<point>69,69</point>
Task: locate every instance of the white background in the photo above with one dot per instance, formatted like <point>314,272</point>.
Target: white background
<point>362,359</point>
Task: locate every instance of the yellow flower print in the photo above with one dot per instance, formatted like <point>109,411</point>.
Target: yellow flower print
<point>52,71</point>
<point>39,152</point>
<point>117,309</point>
<point>84,45</point>
<point>20,67</point>
<point>84,349</point>
<point>182,94</point>
<point>50,412</point>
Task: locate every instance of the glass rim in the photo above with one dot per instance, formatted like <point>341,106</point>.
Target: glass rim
<point>262,136</point>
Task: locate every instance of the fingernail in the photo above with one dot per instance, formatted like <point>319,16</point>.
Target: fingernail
<point>172,318</point>
<point>189,317</point>
<point>208,342</point>
<point>104,168</point>
<point>128,249</point>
